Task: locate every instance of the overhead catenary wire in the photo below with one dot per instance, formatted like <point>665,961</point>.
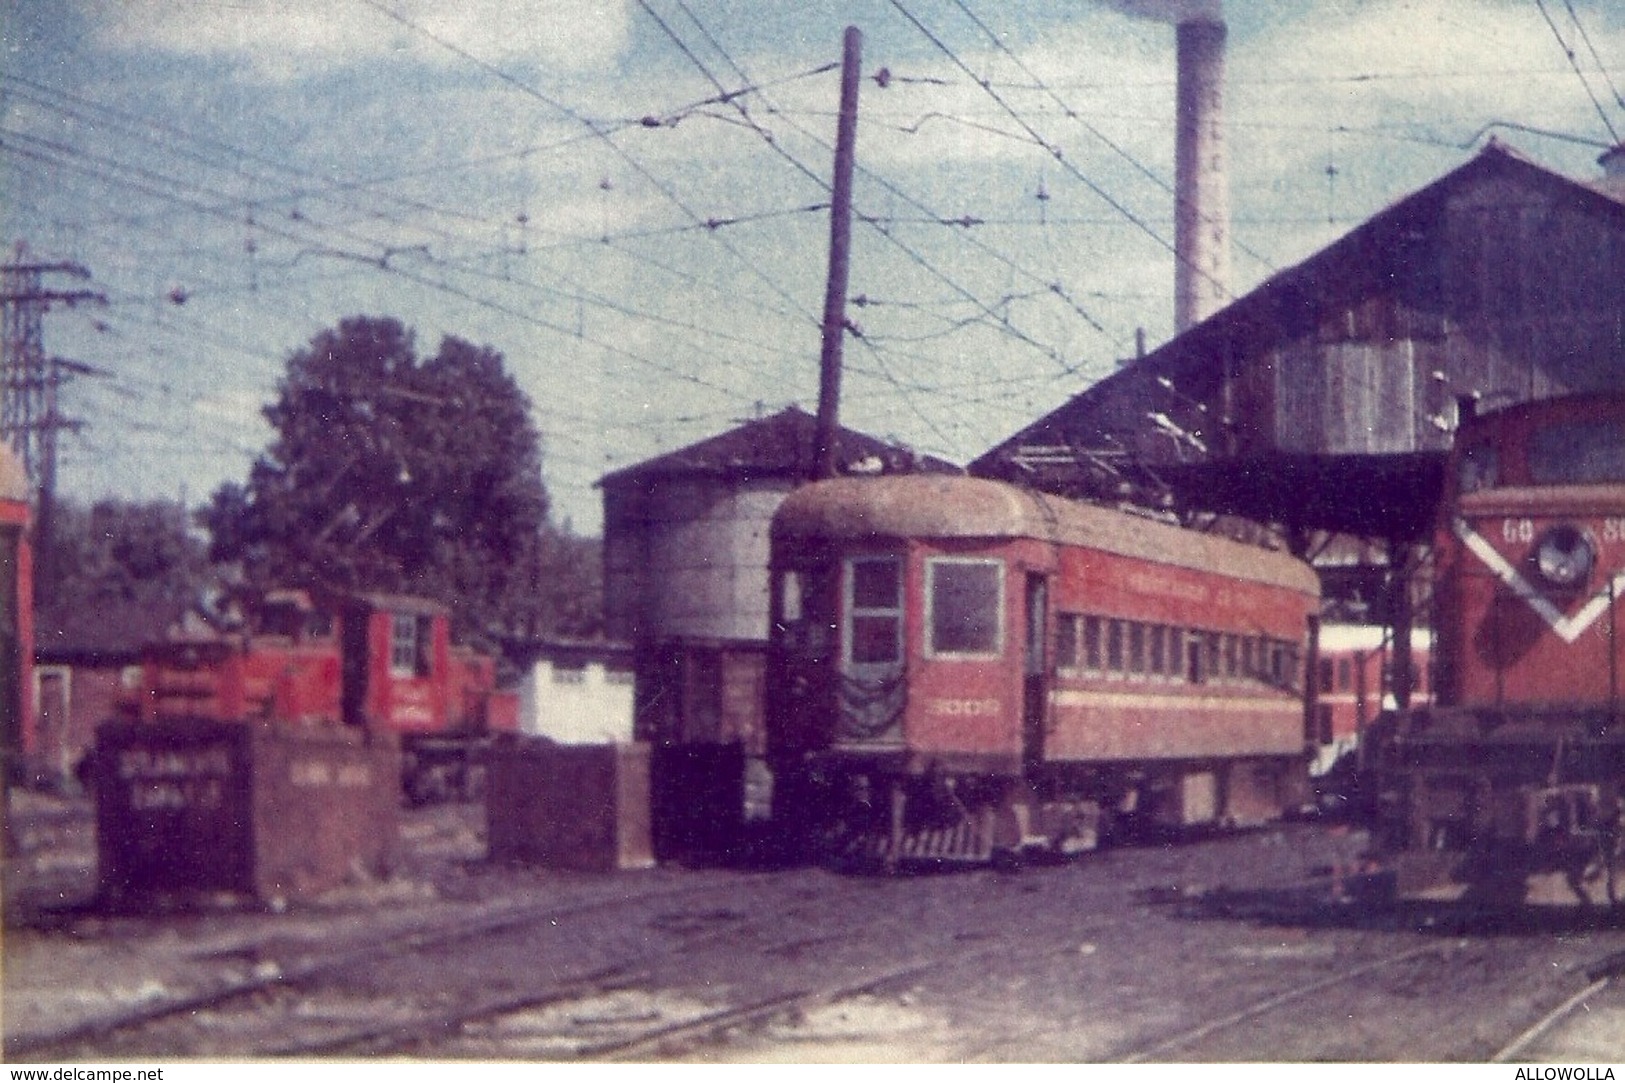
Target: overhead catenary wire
<point>1054,150</point>
<point>817,177</point>
<point>1575,64</point>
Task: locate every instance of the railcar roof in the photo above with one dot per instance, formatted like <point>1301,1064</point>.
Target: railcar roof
<point>965,507</point>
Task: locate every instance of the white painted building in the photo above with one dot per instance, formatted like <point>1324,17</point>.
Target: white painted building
<point>578,693</point>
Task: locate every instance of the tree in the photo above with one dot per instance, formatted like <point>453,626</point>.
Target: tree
<point>121,557</point>
<point>395,473</point>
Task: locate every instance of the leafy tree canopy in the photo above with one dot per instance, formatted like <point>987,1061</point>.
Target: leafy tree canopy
<point>391,472</point>
<point>116,553</point>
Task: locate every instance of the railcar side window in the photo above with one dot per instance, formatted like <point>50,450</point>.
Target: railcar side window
<point>1578,453</point>
<point>874,610</point>
<point>1066,641</point>
<point>966,600</point>
<point>1093,653</point>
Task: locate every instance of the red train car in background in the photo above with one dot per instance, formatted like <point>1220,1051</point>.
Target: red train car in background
<point>18,737</point>
<point>960,668</point>
<point>383,663</point>
<point>1355,685</point>
<point>1508,789</point>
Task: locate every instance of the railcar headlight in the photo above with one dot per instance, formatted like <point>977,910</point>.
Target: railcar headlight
<point>1564,557</point>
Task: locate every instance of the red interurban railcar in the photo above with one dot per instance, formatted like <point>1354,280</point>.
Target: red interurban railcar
<point>381,663</point>
<point>1509,787</point>
<point>962,669</point>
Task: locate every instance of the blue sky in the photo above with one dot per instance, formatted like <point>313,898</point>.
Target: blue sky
<point>560,181</point>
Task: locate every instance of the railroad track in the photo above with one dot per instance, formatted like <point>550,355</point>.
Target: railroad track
<point>1312,1020</point>
<point>654,948</point>
<point>1164,1047</point>
<point>1601,977</point>
<point>272,978</point>
<point>573,1019</point>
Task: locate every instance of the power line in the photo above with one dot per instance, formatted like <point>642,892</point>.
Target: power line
<point>876,223</point>
<point>1575,64</point>
<point>592,126</point>
<point>1055,151</point>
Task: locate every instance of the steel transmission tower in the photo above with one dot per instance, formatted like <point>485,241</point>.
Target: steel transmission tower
<point>30,416</point>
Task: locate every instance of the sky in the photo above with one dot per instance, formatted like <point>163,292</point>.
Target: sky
<point>628,199</point>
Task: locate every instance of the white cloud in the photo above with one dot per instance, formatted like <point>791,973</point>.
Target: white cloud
<point>282,39</point>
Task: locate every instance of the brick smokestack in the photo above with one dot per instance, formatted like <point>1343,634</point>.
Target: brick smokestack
<point>1201,182</point>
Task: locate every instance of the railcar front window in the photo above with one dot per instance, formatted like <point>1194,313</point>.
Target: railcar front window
<point>967,606</point>
<point>1478,468</point>
<point>875,610</point>
<point>1578,453</point>
<point>790,597</point>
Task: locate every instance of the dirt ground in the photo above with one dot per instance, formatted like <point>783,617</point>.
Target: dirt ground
<point>1098,959</point>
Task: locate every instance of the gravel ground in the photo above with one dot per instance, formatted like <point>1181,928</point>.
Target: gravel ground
<point>1118,954</point>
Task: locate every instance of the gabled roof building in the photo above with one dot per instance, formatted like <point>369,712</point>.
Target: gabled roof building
<point>1326,397</point>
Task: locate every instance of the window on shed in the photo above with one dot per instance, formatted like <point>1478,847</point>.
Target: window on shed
<point>409,645</point>
<point>966,599</point>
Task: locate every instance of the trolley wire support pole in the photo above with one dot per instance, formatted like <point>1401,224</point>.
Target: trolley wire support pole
<point>840,244</point>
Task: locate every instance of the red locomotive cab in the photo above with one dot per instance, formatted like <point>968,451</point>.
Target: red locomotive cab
<point>397,657</point>
<point>1532,558</point>
<point>403,676</point>
<point>1511,787</point>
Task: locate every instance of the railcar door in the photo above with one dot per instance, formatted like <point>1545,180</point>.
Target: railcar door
<point>872,690</point>
<point>1035,675</point>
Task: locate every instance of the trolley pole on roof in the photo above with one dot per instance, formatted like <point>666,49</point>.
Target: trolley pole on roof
<point>840,243</point>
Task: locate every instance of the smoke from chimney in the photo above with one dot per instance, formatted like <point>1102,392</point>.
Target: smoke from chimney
<point>1201,181</point>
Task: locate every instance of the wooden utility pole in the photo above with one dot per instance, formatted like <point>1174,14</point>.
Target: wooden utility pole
<point>840,244</point>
